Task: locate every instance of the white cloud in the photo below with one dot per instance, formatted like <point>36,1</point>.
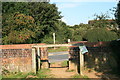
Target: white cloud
<point>84,0</point>
<point>67,5</point>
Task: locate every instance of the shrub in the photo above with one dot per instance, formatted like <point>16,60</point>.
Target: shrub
<point>98,34</point>
<point>115,47</point>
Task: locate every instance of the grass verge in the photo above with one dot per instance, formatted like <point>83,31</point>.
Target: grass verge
<point>64,63</point>
<point>59,49</point>
<point>79,76</point>
<point>43,73</point>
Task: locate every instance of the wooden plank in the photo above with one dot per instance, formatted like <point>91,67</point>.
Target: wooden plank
<point>81,63</point>
<point>38,53</point>
<point>52,45</point>
<point>33,60</point>
<point>44,58</point>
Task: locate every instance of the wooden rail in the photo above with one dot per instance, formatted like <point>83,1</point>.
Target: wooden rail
<point>56,45</point>
<point>52,45</point>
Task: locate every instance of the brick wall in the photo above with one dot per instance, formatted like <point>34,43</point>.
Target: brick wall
<point>17,57</point>
<point>100,56</point>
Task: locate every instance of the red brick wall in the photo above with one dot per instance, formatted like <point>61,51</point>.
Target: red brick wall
<point>19,46</point>
<point>99,57</point>
<point>17,57</point>
<point>93,44</point>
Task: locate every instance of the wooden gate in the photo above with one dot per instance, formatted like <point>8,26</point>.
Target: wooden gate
<point>40,57</point>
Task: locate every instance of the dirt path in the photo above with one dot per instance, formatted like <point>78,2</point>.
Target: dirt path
<point>92,74</point>
<point>60,72</point>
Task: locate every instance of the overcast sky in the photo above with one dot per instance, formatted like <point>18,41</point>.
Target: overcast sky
<point>81,11</point>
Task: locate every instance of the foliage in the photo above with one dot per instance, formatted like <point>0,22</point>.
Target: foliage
<point>46,15</point>
<point>35,22</point>
<point>99,34</point>
<point>37,19</point>
<point>17,28</point>
<point>102,21</point>
<point>101,16</point>
<point>47,39</point>
<point>118,33</point>
<point>115,47</point>
<point>117,14</point>
<point>62,33</point>
<point>78,31</point>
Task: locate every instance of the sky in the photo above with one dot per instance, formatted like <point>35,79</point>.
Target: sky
<point>81,11</point>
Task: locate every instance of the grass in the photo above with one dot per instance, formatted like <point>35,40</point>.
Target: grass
<point>0,77</point>
<point>52,63</point>
<point>64,63</point>
<point>15,75</point>
<point>43,73</point>
<point>70,70</point>
<point>58,49</point>
<point>79,76</point>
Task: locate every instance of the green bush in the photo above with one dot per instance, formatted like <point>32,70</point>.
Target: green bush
<point>47,39</point>
<point>96,35</point>
<point>115,47</point>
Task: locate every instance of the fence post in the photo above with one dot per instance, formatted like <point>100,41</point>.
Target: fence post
<point>38,53</point>
<point>33,60</point>
<point>72,59</point>
<point>81,63</point>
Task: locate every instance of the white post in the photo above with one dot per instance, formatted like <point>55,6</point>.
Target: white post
<point>54,39</point>
<point>68,40</point>
<point>38,53</point>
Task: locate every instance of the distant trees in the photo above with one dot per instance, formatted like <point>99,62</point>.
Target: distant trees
<point>103,21</point>
<point>35,22</point>
<point>117,14</point>
<point>78,31</point>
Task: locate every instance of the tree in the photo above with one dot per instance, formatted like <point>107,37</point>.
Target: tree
<point>78,31</point>
<point>18,28</point>
<point>100,20</point>
<point>46,15</point>
<point>62,34</point>
<point>103,21</point>
<point>34,19</point>
<point>117,14</point>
